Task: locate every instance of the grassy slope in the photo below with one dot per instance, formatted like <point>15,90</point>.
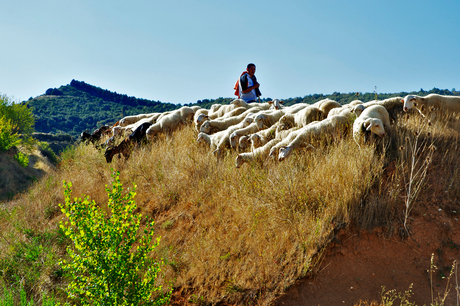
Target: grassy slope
<point>232,235</point>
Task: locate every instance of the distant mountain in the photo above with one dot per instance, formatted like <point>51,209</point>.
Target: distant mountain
<point>74,108</point>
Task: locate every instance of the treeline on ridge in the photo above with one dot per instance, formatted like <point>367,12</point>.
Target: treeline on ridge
<point>74,108</point>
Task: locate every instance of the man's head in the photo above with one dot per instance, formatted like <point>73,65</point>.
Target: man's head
<point>251,69</point>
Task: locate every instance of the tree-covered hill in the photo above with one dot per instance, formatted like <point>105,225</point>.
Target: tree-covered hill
<point>76,107</point>
<point>79,106</point>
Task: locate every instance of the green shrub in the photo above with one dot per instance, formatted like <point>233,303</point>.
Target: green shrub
<point>22,159</point>
<point>108,259</point>
<point>8,138</point>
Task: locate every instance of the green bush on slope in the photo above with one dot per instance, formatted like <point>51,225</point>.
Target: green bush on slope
<point>109,255</point>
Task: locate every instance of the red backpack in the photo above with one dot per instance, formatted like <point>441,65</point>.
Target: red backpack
<point>237,85</point>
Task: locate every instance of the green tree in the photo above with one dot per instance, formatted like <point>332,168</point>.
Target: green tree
<point>8,138</point>
<point>108,259</point>
<point>21,116</point>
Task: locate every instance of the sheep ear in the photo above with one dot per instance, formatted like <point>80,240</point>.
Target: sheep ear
<point>281,102</point>
<point>270,102</point>
<point>402,100</point>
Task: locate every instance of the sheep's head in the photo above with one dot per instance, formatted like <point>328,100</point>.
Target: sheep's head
<point>273,152</point>
<point>150,133</point>
<point>409,102</point>
<point>201,118</point>
<point>247,121</point>
<point>260,120</point>
<point>243,143</point>
<point>358,109</point>
<point>234,140</point>
<point>255,140</point>
<point>284,124</point>
<point>206,127</point>
<point>199,121</point>
<point>375,126</point>
<point>239,161</point>
<point>276,104</point>
<point>284,153</point>
<point>124,122</point>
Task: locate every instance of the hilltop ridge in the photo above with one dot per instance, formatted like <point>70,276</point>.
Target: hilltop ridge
<point>78,106</point>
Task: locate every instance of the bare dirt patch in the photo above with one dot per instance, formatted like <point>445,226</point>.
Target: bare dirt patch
<point>358,264</point>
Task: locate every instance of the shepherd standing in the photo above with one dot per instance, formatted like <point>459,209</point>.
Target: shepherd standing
<point>247,87</point>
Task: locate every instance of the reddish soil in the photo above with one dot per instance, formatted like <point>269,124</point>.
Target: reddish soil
<point>358,264</point>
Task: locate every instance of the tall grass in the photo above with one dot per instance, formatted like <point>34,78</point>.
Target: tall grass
<point>228,235</point>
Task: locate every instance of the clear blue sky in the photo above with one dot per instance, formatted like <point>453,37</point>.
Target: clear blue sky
<point>183,51</point>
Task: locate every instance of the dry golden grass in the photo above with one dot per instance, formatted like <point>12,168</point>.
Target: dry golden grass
<point>235,235</point>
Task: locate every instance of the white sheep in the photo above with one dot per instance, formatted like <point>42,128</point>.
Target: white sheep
<point>225,140</point>
<point>214,108</point>
<point>211,140</point>
<point>295,108</point>
<point>135,118</point>
<point>200,117</point>
<point>259,139</point>
<point>285,139</point>
<point>276,104</point>
<point>244,142</point>
<point>374,119</point>
<point>392,105</point>
<point>165,114</point>
<point>234,112</point>
<point>241,103</point>
<point>125,130</point>
<point>212,126</point>
<point>235,135</point>
<point>335,126</point>
<point>431,102</point>
<point>355,102</point>
<point>266,119</point>
<point>171,122</point>
<point>262,137</point>
<point>351,111</point>
<point>258,154</point>
<point>223,110</point>
<point>301,118</point>
<point>327,105</point>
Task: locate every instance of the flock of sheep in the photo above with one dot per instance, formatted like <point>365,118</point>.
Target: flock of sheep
<point>260,130</point>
